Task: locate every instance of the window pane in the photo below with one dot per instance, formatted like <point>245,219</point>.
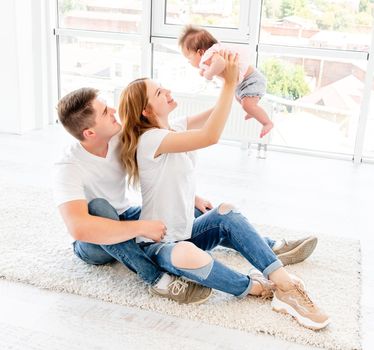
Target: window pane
<point>217,13</point>
<point>173,71</point>
<point>315,101</point>
<point>109,15</point>
<point>106,65</point>
<point>339,24</point>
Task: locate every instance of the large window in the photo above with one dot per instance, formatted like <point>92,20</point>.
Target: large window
<point>110,15</point>
<point>316,101</point>
<point>100,45</point>
<point>313,53</point>
<point>115,63</point>
<point>227,19</point>
<point>214,13</point>
<point>338,24</point>
<point>172,70</point>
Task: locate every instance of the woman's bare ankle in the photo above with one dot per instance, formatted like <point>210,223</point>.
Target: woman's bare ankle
<point>256,289</point>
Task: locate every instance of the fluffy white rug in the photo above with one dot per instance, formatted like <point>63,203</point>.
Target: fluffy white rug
<point>35,249</point>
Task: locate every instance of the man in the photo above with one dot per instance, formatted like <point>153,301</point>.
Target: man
<point>90,191</point>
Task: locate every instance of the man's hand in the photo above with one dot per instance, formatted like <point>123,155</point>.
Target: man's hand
<point>202,204</point>
<point>154,230</point>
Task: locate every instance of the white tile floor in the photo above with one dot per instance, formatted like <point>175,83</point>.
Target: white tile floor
<point>299,192</point>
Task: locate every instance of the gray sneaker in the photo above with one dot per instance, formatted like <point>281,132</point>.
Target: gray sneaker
<point>293,252</point>
<point>183,291</point>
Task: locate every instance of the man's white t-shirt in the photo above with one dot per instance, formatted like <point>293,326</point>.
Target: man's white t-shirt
<point>167,184</point>
<point>82,175</point>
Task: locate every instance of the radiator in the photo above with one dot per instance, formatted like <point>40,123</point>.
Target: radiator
<point>237,128</point>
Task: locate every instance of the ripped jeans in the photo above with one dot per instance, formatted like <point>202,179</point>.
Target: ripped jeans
<point>127,253</point>
<point>228,228</point>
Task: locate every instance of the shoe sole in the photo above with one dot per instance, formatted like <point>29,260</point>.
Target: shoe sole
<point>199,301</point>
<point>300,253</point>
<point>280,306</point>
<point>181,303</point>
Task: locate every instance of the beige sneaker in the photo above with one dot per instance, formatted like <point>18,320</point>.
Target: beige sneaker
<point>268,286</point>
<point>297,280</point>
<point>298,304</point>
<point>183,291</point>
<point>293,252</point>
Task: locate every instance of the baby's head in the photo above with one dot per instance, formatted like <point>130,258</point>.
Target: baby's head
<point>194,41</point>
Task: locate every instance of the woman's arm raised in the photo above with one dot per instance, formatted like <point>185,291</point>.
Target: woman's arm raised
<point>197,121</point>
<point>210,133</point>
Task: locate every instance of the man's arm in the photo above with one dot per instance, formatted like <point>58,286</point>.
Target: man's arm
<point>94,229</point>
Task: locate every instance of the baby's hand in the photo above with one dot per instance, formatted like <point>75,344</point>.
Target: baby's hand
<point>201,72</point>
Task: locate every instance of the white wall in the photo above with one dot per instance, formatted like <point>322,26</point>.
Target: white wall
<point>9,84</point>
<point>25,67</point>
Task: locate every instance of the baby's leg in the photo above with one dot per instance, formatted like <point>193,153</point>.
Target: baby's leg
<point>250,105</point>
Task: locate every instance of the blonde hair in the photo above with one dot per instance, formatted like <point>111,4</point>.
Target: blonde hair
<point>194,39</point>
<point>133,101</point>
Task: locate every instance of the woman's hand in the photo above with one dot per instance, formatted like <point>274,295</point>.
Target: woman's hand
<point>231,71</point>
<point>154,230</point>
<point>202,204</point>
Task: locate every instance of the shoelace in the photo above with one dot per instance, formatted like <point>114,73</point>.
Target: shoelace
<point>268,291</point>
<point>305,296</point>
<point>178,286</point>
<point>267,295</point>
<point>284,244</point>
<point>268,286</point>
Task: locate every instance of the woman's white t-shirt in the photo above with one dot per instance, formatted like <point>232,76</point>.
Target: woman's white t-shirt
<point>167,184</point>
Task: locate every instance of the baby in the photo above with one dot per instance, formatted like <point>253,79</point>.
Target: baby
<point>203,51</point>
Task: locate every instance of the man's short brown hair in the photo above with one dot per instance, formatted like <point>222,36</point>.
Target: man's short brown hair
<point>194,39</point>
<point>75,111</point>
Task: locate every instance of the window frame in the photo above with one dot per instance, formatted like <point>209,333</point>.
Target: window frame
<point>238,35</point>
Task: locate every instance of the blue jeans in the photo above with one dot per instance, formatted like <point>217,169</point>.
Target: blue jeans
<point>230,229</point>
<point>127,253</point>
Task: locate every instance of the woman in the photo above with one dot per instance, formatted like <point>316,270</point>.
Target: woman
<point>161,158</point>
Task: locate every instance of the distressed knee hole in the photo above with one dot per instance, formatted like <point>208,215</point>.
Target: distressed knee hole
<point>186,255</point>
<point>226,208</point>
